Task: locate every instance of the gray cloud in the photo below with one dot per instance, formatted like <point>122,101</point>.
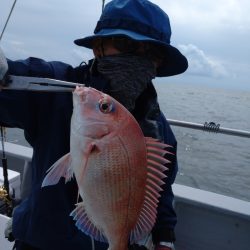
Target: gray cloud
<point>209,15</point>
<point>47,29</point>
<point>201,64</point>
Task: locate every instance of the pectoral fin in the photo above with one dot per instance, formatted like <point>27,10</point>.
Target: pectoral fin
<point>61,168</point>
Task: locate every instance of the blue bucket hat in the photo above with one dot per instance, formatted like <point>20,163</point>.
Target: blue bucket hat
<point>142,21</point>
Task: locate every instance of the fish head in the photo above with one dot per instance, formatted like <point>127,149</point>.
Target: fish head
<point>96,114</point>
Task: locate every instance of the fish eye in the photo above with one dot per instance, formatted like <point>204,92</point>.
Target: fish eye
<point>105,106</point>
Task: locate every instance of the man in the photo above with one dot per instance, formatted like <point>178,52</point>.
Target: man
<point>131,45</point>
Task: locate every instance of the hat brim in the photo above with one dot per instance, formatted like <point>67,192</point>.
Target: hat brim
<point>174,62</point>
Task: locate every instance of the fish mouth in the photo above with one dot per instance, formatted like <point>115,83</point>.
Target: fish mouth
<point>83,93</point>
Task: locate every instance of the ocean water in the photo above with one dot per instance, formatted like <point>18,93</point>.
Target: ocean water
<point>213,162</point>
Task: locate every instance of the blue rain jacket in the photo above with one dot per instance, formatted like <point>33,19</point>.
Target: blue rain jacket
<point>42,220</point>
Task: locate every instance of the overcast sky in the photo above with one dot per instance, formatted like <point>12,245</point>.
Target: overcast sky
<point>213,34</point>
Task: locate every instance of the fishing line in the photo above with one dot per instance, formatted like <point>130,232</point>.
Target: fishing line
<point>93,243</point>
<point>103,3</point>
<point>12,8</point>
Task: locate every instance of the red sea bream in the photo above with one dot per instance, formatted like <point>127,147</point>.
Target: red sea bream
<point>118,171</point>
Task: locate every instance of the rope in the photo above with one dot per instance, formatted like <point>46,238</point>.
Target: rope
<point>211,127</point>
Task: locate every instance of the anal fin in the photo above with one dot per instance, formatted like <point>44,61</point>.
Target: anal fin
<point>84,224</point>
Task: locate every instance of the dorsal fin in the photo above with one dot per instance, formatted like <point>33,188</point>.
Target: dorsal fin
<point>155,167</point>
<point>85,224</point>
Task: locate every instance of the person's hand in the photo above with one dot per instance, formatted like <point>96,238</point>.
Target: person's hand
<point>3,67</point>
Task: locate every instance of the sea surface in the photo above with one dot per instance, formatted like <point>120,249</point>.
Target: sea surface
<point>209,161</point>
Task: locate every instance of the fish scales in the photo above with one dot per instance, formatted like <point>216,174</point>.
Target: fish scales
<point>118,176</point>
<point>113,189</point>
<point>118,196</point>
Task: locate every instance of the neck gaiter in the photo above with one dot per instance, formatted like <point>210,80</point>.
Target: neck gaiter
<point>128,76</point>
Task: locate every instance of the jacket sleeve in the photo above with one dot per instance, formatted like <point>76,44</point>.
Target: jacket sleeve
<point>39,68</point>
<point>166,217</point>
<point>17,108</point>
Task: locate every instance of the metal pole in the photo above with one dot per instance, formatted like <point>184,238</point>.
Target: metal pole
<point>12,8</point>
<point>210,127</point>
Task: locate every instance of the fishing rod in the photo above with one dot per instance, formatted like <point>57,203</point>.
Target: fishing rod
<point>4,162</point>
<point>5,189</point>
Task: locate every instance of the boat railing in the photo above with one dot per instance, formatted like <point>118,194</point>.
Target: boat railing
<point>210,127</point>
<point>25,153</point>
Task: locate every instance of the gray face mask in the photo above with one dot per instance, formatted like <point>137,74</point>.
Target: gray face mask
<point>128,76</point>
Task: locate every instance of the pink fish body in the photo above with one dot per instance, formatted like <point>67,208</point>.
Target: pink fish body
<point>118,171</point>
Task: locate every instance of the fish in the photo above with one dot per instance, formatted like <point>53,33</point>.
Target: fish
<point>119,171</point>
